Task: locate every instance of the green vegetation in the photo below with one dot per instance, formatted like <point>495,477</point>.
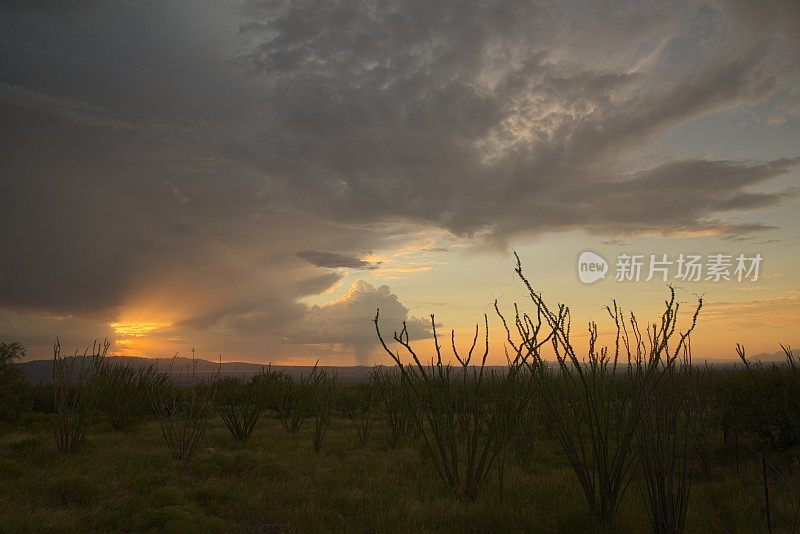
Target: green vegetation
<point>76,393</point>
<point>182,410</point>
<point>628,437</point>
<point>11,385</point>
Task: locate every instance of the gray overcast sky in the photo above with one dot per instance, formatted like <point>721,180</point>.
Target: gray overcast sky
<point>201,172</point>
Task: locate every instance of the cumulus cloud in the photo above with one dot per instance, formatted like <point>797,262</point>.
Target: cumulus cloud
<point>348,320</point>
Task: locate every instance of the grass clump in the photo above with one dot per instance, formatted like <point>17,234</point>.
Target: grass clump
<point>363,409</point>
<point>124,391</point>
<point>182,412</point>
<point>325,402</point>
<point>401,418</point>
<point>75,393</point>
<point>294,400</point>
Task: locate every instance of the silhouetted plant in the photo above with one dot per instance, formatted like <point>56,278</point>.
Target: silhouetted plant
<point>181,407</point>
<point>293,400</point>
<point>12,387</point>
<point>239,405</point>
<point>363,411</point>
<point>463,444</point>
<point>766,401</point>
<point>75,393</point>
<point>9,353</point>
<point>665,443</point>
<point>124,391</point>
<point>325,402</point>
<point>593,404</point>
<point>523,434</point>
<point>400,415</point>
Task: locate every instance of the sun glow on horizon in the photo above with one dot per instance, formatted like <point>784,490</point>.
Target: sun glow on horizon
<point>138,329</point>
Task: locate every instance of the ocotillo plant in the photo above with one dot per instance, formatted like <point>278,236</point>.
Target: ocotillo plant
<point>182,410</point>
<point>401,417</point>
<point>593,402</point>
<point>239,405</point>
<point>13,401</point>
<point>293,400</point>
<point>766,401</point>
<point>666,443</point>
<point>325,402</point>
<point>124,391</point>
<point>363,411</point>
<point>75,393</point>
<point>463,453</point>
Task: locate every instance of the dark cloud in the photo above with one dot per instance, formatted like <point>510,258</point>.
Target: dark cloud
<point>492,118</point>
<point>177,155</point>
<point>333,260</point>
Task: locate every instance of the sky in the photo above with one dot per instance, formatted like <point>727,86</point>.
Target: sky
<point>253,179</point>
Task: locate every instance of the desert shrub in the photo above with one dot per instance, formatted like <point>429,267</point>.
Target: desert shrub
<point>124,392</point>
<point>400,416</point>
<point>593,403</point>
<point>666,435</point>
<point>13,390</point>
<point>364,410</point>
<point>524,434</point>
<point>293,400</point>
<point>182,410</point>
<point>239,405</point>
<point>764,401</point>
<point>9,353</point>
<point>75,393</point>
<point>324,405</point>
<point>463,435</point>
<point>41,397</point>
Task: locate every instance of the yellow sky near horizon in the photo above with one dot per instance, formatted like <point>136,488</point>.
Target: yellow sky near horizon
<point>460,285</point>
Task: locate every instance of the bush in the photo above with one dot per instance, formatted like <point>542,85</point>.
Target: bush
<point>13,389</point>
<point>75,393</point>
<point>293,401</point>
<point>765,401</point>
<point>123,392</point>
<point>400,415</point>
<point>239,405</point>
<point>324,403</point>
<point>363,411</point>
<point>465,431</point>
<point>182,413</point>
<point>594,403</point>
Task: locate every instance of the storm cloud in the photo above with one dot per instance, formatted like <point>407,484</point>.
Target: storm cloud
<point>334,260</point>
<point>236,152</point>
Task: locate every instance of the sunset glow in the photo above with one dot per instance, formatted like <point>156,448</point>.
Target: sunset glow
<point>261,201</point>
<point>137,329</point>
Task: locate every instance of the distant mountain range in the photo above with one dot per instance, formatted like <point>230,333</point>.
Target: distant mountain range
<point>42,370</point>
